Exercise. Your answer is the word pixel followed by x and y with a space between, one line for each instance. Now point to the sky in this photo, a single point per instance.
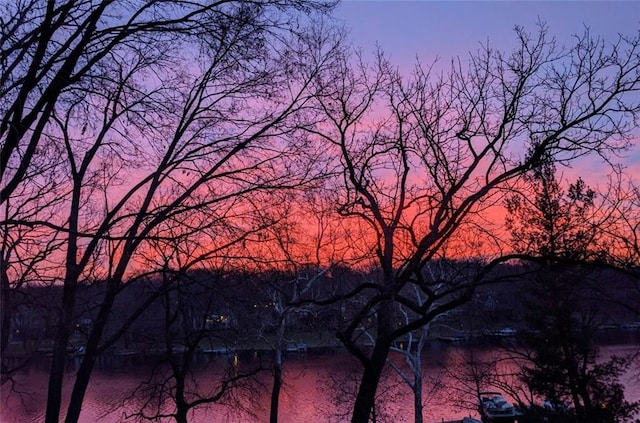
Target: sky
pixel 448 28
pixel 427 30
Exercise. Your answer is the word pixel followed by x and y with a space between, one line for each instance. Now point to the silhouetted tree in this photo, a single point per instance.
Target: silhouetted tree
pixel 144 111
pixel 411 346
pixel 424 157
pixel 560 230
pixel 173 390
pixel 547 222
pixel 621 198
pixel 292 257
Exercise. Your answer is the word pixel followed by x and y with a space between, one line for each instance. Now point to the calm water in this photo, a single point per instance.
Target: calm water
pixel 317 388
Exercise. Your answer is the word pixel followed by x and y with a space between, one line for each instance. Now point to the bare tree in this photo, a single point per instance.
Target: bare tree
pixel 411 349
pixel 411 346
pixel 23 263
pixel 181 300
pixel 425 157
pixel 49 48
pixel 621 197
pixel 154 109
pixel 475 371
pixel 173 389
pixel 282 294
pixel 292 257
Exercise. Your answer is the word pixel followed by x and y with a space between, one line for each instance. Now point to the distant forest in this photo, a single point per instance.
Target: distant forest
pixel 236 309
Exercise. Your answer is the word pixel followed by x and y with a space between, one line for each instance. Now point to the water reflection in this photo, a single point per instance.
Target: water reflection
pixel 318 387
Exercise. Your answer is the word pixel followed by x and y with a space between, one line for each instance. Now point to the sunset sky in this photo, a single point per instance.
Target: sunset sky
pixel 441 30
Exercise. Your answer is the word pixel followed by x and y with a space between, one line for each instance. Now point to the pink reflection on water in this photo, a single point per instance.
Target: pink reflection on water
pixel 317 388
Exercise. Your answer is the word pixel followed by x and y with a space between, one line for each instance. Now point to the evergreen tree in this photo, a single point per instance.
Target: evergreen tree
pixel 557 229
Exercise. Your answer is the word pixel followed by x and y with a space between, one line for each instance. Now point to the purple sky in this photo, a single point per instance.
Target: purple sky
pixel 448 28
pixel 444 29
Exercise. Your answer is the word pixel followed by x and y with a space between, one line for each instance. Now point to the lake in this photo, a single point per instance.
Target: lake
pixel 317 387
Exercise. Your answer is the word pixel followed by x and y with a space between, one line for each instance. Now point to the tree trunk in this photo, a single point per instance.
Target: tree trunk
pixel 5 292
pixel 365 400
pixel 181 404
pixel 56 373
pixel 277 384
pixel 277 371
pixel 416 367
pixel 366 397
pixel 417 395
pixel 88 360
pixel 181 415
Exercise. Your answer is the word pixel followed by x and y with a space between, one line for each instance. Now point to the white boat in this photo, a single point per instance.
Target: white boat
pixel 216 350
pixel 292 347
pixel 556 406
pixel 494 407
pixel 504 332
pixel 452 338
pixel 631 325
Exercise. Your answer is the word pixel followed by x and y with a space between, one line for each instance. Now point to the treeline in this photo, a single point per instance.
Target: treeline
pixel 236 309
